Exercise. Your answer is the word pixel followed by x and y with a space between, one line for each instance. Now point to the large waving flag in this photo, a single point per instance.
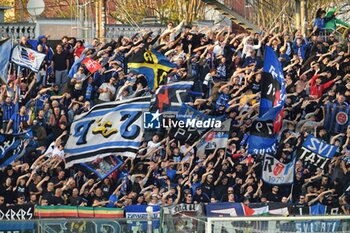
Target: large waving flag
pixel 152 64
pixel 5 51
pixel 273 91
pixel 264 131
pixel 108 128
pixel 28 58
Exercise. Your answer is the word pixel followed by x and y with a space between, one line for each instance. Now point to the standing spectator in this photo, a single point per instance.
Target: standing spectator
pixel 60 65
pixel 17 119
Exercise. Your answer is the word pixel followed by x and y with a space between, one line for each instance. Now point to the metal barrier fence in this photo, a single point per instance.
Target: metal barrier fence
pixel 257 224
pixel 17 30
pixel 72 225
pixel 335 223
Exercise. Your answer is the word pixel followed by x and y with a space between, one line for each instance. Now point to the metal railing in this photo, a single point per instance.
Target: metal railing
pixel 114 31
pixel 324 34
pixel 329 223
pixel 91 225
pixel 17 30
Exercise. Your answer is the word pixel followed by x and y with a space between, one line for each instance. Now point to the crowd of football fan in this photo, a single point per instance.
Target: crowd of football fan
pixel 226 67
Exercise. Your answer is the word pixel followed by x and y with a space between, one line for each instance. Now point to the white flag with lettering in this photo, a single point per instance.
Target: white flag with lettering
pixel 275 172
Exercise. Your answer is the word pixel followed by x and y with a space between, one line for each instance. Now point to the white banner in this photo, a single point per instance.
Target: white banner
pixel 28 58
pixel 275 172
pixel 109 128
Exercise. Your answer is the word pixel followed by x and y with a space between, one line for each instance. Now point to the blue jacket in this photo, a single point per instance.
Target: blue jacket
pixel 300 49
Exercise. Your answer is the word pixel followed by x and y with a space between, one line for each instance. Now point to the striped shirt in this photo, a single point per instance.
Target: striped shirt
pixel 17 119
pixel 7 111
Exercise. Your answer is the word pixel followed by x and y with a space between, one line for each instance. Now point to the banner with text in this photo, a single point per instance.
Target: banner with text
pixel 276 172
pixel 183 216
pixel 317 152
pixel 140 212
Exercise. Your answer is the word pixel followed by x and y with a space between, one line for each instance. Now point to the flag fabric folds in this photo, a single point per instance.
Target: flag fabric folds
pixel 139 212
pixel 5 51
pixel 77 212
pixel 216 138
pixel 264 132
pixel 28 58
pixel 13 146
pixel 75 67
pixel 103 167
pixel 228 209
pixel 169 97
pixel 108 128
pixel 174 221
pixel 152 64
pixel 317 152
pixel 262 140
pixel 273 92
pixel 336 117
pixel 270 208
pixel 276 172
pixel 91 65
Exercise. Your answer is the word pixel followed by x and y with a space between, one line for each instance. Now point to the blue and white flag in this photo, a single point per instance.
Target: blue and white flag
pixel 318 226
pixel 277 173
pixel 13 146
pixel 108 128
pixel 75 66
pixel 103 167
pixel 263 134
pixel 28 58
pixel 139 212
pixel 317 152
pixel 5 51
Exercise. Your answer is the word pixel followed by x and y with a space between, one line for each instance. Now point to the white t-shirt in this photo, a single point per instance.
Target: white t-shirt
pixel 208 78
pixel 151 145
pixel 105 96
pixel 183 149
pixel 79 77
pixel 54 151
pixel 218 50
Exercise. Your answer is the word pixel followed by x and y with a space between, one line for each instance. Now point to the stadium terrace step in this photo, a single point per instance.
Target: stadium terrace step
pixel 231 14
